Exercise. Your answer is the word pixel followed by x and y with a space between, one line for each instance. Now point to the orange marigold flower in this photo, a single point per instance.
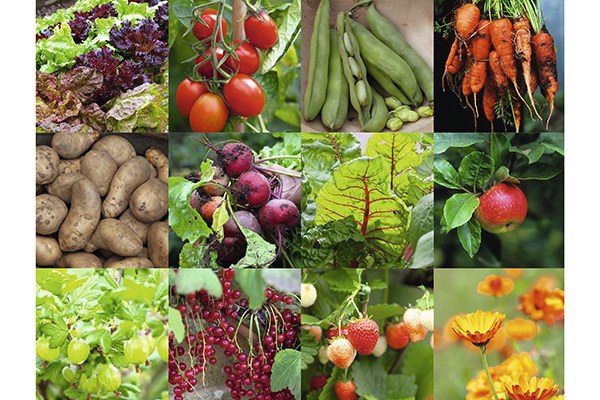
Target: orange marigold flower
pixel 521 329
pixel 560 397
pixel 478 327
pixel 448 334
pixel 495 285
pixel 547 282
pixel 497 343
pixel 543 304
pixel 512 368
pixel 514 273
pixel 533 389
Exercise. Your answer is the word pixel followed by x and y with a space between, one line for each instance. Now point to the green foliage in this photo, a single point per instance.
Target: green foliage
pixel 286 370
pixel 253 285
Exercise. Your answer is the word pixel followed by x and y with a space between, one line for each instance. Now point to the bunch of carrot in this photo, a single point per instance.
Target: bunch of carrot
pixel 503 58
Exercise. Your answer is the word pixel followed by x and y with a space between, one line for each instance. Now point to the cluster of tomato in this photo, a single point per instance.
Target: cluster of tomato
pixel 207 102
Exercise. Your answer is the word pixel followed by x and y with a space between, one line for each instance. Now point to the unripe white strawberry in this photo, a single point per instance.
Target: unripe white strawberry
pixel 426 319
pixel 308 294
pixel 323 357
pixel 412 318
pixel 380 347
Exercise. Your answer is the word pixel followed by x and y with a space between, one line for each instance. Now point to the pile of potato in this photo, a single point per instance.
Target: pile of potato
pixel 100 204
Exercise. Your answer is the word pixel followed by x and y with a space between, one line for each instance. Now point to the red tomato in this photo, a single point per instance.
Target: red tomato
pixel 207 70
pixel 209 16
pixel 261 30
pixel 209 113
pixel 244 96
pixel 249 59
pixel 187 94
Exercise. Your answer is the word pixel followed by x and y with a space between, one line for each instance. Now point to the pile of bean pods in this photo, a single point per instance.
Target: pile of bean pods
pixel 373 69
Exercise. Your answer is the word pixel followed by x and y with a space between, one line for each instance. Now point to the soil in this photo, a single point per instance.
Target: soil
pixel 49 7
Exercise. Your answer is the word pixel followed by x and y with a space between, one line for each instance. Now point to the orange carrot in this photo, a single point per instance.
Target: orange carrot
pixel 545 58
pixel 467 17
pixel 490 98
pixel 516 106
pixel 481 51
pixel 523 51
pixel 499 77
pixel 501 31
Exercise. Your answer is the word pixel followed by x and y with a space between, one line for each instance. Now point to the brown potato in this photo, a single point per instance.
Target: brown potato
pixel 139 227
pixel 115 236
pixel 72 145
pixel 83 217
pixel 47 251
pixel 158 244
pixel 130 262
pixel 50 212
pixel 99 167
pixel 150 201
pixel 67 166
pixel 160 162
pixel 118 147
pixel 127 179
pixel 79 259
pixel 62 186
pixel 46 165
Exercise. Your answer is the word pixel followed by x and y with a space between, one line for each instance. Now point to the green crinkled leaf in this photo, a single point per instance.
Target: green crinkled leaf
pixel 476 169
pixel 499 147
pixel 58 52
pixel 288 29
pixel 253 285
pixel 381 312
pixel 418 362
pixel 469 235
pixel 176 324
pixel 286 372
pixel 259 252
pixel 401 387
pixel 446 175
pixel 421 219
pixel 342 279
pixel 320 157
pixel 370 378
pixel 361 189
pixel 459 209
pixel 191 256
pixel 502 174
pixel 538 171
pixel 57 332
pixel 194 280
pixel 444 141
pixel 423 256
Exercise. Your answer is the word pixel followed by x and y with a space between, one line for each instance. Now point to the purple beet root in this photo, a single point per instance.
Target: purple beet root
pixel 279 214
pixel 231 250
pixel 235 157
pixel 252 189
pixel 246 219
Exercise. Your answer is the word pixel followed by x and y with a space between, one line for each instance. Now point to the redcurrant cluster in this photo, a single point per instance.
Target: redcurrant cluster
pixel 247 339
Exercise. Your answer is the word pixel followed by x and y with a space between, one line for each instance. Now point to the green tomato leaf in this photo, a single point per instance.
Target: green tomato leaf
pixel 459 209
pixel 361 189
pixel 469 235
pixel 476 169
pixel 444 141
pixel 289 28
pixel 537 171
pixel 286 372
pixel 253 285
pixel 446 175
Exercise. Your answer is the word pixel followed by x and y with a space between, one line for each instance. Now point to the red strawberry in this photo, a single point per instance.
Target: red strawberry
pixel 318 382
pixel 345 390
pixel 333 332
pixel 397 336
pixel 363 335
pixel 341 353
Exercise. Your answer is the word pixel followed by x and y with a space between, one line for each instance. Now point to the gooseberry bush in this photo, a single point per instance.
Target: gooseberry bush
pixel 101 334
pixel 236 331
pixel 367 333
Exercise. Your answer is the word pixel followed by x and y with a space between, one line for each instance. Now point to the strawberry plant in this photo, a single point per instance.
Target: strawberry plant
pixel 367 200
pixel 367 350
pixel 236 331
pixel 502 194
pixel 96 332
pixel 233 206
pixel 235 66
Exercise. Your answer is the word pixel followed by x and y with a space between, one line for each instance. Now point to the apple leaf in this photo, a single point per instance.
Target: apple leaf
pixel 537 171
pixel 499 148
pixel 446 175
pixel 502 174
pixel 476 169
pixel 469 235
pixel 459 209
pixel 361 189
pixel 444 141
pixel 553 141
pixel 533 151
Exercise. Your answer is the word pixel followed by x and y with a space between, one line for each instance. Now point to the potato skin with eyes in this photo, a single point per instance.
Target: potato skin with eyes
pixel 133 173
pixel 150 201
pixel 158 244
pixel 46 165
pixel 83 217
pixel 47 251
pixel 50 212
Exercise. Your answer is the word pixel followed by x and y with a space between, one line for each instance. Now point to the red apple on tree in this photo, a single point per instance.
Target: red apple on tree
pixel 502 208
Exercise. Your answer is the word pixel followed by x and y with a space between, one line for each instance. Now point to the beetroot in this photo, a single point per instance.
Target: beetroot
pixel 246 219
pixel 278 215
pixel 252 189
pixel 231 250
pixel 236 158
pixel 197 198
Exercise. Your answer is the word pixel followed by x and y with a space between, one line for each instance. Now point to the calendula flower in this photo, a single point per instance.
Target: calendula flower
pixel 478 327
pixel 543 304
pixel 512 368
pixel 514 273
pixel 497 343
pixel 521 329
pixel 495 285
pixel 531 389
pixel 560 397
